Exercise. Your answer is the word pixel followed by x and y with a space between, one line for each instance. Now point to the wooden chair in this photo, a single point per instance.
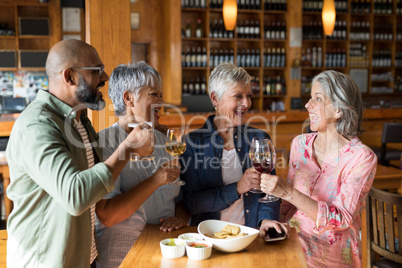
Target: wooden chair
pixel 391 133
pixel 384 230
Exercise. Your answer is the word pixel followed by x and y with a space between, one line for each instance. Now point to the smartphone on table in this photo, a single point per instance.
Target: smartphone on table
pixel 273 235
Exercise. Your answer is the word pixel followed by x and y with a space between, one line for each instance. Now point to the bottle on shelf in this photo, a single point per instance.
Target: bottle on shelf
pixel 199 57
pixel 188 28
pixel 198 32
pixel 319 57
pixel 191 86
pixel 204 57
pixel 193 57
pixel 267 83
pixel 197 86
pixel 204 86
pixel 188 58
pixel 185 86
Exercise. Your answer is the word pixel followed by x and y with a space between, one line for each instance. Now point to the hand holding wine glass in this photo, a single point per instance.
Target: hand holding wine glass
pixel 176 145
pixel 141 139
pixel 263 156
pixel 149 145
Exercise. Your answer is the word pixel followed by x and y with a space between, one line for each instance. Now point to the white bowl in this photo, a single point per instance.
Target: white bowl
pixel 199 254
pixel 209 227
pixel 173 252
pixel 188 237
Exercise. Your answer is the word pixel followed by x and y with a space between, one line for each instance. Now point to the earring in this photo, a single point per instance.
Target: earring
pixel 215 108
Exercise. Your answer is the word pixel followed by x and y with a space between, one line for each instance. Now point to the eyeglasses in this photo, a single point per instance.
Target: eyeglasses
pixel 101 69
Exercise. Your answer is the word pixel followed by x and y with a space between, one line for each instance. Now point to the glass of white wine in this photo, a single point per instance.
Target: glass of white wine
pixel 176 145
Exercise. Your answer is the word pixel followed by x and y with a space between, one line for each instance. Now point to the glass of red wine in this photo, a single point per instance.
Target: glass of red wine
pixel 263 156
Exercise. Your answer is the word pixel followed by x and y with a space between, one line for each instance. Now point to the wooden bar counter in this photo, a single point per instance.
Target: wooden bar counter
pixel 146 252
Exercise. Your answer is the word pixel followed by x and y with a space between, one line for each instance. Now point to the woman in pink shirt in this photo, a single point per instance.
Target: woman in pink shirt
pixel 330 174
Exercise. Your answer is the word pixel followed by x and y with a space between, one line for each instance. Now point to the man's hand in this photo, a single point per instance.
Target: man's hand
pixel 140 140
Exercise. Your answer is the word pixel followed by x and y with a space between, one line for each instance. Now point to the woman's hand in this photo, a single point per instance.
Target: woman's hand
pixel 274 185
pixel 251 179
pixel 171 223
pixel 167 173
pixel 279 227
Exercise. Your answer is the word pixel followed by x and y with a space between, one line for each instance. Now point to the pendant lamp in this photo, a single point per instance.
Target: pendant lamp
pixel 229 14
pixel 328 16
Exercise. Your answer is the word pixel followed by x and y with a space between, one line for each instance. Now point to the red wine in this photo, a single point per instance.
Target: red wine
pixel 263 167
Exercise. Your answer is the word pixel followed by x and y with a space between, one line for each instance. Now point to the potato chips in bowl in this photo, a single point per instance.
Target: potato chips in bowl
pixel 227 236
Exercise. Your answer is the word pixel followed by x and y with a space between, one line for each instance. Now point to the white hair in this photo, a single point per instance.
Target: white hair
pixel 131 77
pixel 226 76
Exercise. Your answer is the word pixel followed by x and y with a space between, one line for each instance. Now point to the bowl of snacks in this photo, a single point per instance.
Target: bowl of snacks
pixel 198 250
pixel 173 248
pixel 226 236
pixel 189 237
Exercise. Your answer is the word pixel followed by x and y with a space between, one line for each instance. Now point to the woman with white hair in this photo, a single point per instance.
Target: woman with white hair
pixel 216 166
pixel 330 174
pixel 144 192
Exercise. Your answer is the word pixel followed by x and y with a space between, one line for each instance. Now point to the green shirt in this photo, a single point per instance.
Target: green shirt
pixel 52 187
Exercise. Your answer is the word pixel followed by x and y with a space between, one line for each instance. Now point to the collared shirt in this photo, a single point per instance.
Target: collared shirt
pixel 205 194
pixel 114 242
pixel 52 187
pixel 340 186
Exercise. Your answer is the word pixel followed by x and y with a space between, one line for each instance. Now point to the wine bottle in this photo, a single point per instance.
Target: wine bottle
pixel 198 32
pixel 188 28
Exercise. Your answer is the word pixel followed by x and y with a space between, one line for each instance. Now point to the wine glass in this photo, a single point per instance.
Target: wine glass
pixel 135 157
pixel 263 156
pixel 176 145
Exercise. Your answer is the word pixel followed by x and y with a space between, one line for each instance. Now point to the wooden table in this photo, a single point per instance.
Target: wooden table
pixel 146 252
pixel 388 178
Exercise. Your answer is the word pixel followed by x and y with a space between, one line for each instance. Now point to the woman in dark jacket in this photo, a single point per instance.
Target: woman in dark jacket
pixel 216 166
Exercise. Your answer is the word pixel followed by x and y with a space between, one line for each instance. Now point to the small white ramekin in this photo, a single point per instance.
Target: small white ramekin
pixel 199 254
pixel 189 237
pixel 173 252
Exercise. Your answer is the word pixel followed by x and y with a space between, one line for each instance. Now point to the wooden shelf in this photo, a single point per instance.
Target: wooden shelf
pixel 11 11
pixel 295 17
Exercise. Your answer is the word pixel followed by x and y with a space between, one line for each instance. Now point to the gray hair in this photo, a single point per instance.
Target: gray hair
pixel 131 77
pixel 226 76
pixel 345 95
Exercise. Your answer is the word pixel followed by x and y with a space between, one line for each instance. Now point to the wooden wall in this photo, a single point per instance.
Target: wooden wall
pixel 160 30
pixel 108 30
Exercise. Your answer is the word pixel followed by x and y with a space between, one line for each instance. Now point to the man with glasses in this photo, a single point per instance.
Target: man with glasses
pixel 55 173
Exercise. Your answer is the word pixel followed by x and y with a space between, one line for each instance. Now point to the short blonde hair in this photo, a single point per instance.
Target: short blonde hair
pixel 226 76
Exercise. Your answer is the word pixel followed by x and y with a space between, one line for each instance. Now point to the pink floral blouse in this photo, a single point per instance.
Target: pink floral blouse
pixel 340 186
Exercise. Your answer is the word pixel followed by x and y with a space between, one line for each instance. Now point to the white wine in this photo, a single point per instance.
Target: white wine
pixel 175 148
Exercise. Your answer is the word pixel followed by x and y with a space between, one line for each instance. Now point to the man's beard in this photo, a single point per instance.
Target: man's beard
pixel 88 96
